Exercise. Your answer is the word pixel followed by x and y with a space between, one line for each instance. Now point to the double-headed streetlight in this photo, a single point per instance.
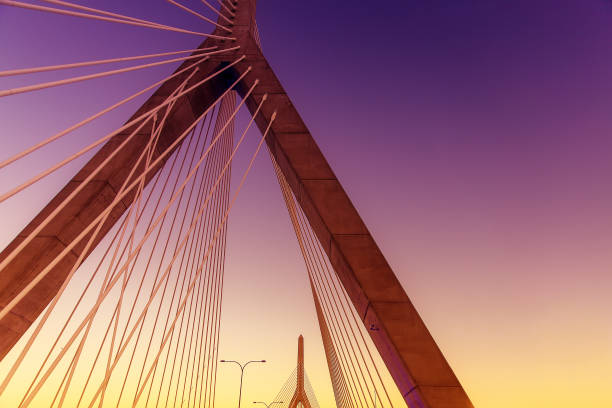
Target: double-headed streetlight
pixel 268 405
pixel 242 367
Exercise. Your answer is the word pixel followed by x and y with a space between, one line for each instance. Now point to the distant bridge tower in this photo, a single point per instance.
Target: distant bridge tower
pixel 300 396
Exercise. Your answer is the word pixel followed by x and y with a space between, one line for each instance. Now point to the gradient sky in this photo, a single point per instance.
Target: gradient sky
pixel 474 137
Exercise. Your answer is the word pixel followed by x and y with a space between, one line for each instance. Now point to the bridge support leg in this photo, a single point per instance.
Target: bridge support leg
pixel 422 374
pixel 87 205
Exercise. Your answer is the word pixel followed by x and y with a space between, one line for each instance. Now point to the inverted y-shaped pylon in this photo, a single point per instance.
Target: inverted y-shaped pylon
pixel 419 369
pixel 300 397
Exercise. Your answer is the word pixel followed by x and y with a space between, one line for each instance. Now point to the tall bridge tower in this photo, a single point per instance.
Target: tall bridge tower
pixel 31 275
pixel 300 396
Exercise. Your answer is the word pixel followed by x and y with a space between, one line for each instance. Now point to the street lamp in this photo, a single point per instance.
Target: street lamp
pixel 268 405
pixel 242 367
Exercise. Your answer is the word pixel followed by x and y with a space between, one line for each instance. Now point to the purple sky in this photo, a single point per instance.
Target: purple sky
pixel 474 137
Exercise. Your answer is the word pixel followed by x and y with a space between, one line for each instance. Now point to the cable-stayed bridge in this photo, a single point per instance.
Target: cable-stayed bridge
pixel 147 217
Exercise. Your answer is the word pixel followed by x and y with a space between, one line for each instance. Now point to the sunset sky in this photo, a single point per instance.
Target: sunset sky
pixel 474 138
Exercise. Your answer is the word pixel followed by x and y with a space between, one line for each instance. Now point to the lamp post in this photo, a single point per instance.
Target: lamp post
pixel 268 405
pixel 242 367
